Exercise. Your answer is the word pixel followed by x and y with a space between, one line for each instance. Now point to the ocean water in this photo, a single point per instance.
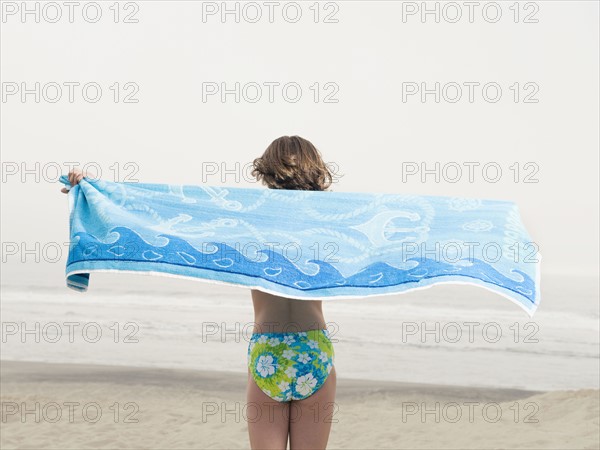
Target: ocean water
pixel 447 334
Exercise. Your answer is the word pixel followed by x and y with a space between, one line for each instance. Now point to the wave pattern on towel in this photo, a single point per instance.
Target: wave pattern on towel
pixel 301 244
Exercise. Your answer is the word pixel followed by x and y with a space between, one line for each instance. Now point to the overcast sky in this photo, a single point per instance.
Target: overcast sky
pixel 361 105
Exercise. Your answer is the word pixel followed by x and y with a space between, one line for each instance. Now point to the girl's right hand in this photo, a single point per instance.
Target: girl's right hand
pixel 75 176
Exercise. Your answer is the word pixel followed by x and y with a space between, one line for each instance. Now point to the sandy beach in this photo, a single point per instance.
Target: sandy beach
pixel 181 385
pixel 77 406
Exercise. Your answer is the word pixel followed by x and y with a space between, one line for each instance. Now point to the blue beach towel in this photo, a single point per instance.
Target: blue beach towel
pixel 300 244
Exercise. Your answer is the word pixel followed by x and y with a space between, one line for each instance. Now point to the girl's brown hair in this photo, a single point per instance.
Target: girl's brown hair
pixel 291 162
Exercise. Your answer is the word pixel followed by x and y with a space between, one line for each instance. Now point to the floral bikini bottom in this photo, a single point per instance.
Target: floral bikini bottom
pixel 290 366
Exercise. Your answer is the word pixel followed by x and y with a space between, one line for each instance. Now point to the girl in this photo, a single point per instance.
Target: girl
pixel 291 376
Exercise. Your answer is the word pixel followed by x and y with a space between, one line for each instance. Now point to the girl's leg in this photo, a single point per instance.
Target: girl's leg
pixel 311 418
pixel 268 420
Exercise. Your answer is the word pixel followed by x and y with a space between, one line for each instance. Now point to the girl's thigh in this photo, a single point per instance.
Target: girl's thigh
pixel 312 417
pixel 268 420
